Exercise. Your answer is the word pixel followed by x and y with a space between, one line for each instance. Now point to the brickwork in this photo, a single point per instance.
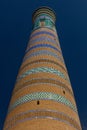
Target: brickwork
pixel 43 98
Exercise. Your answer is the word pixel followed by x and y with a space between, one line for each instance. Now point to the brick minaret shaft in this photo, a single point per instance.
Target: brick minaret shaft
pixel 42 98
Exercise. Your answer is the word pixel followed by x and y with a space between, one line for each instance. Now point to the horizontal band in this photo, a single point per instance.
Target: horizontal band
pixel 43 96
pixel 41 32
pixel 44 52
pixel 43 61
pixel 43 45
pixel 44 16
pixel 42 11
pixel 44 70
pixel 37 114
pixel 44 22
pixel 39 81
pixel 43 39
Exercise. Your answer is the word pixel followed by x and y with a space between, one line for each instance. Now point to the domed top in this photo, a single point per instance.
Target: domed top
pixel 44 10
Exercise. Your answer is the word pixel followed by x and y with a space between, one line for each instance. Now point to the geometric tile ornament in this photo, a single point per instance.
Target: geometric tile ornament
pixel 43 98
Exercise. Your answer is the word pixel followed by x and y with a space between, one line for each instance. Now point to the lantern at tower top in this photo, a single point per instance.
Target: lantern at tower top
pixel 44 17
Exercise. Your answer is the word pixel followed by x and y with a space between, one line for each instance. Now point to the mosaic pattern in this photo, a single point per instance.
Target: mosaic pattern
pixel 43 52
pixel 38 81
pixel 45 11
pixel 51 114
pixel 43 61
pixel 44 16
pixel 42 32
pixel 44 22
pixel 43 69
pixel 43 82
pixel 43 45
pixel 42 96
pixel 44 39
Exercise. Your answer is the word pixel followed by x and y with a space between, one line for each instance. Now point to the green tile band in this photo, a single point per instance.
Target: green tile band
pixel 44 12
pixel 43 69
pixel 42 96
pixel 47 61
pixel 44 16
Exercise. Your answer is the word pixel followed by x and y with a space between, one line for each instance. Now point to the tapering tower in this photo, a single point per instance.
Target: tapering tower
pixel 42 98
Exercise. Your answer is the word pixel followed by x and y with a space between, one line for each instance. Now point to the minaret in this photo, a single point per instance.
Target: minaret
pixel 43 98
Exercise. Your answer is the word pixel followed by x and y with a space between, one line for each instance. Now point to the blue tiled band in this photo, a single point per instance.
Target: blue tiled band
pixel 44 52
pixel 42 32
pixel 43 69
pixel 43 45
pixel 43 38
pixel 43 96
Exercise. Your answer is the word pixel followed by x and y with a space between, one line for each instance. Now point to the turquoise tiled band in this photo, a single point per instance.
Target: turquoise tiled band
pixel 43 69
pixel 46 23
pixel 44 16
pixel 43 60
pixel 42 96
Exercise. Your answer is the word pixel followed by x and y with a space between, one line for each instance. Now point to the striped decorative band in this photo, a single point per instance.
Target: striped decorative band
pixel 49 44
pixel 50 35
pixel 43 45
pixel 37 114
pixel 44 52
pixel 44 70
pixel 44 39
pixel 43 96
pixel 42 61
pixel 38 81
pixel 41 32
pixel 42 11
pixel 44 16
